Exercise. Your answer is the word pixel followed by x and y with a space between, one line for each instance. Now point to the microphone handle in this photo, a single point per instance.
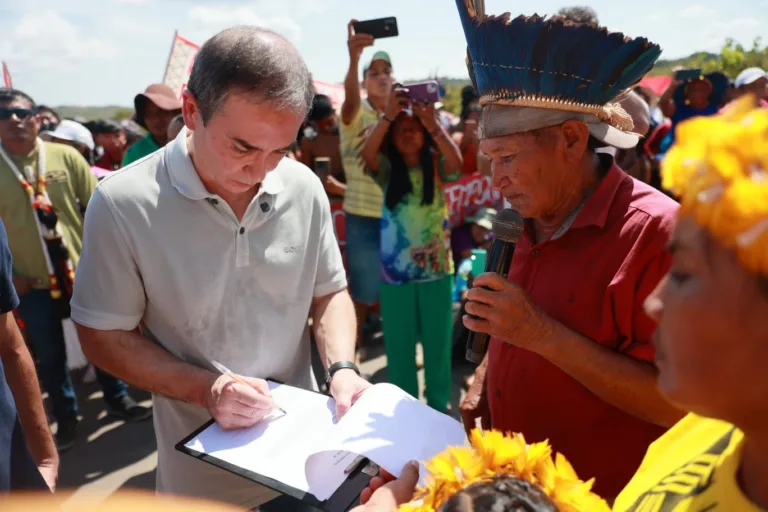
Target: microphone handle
pixel 500 259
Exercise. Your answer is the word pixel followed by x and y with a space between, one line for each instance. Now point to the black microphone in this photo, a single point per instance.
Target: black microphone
pixel 507 228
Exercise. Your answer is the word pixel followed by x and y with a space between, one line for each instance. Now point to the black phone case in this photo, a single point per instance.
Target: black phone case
pixel 378 28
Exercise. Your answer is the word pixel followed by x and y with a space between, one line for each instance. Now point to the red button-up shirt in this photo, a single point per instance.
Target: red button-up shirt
pixel 593 279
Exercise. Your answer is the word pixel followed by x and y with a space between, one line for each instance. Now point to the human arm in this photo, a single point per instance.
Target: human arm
pixel 475 404
pixel 21 376
pixel 385 493
pixel 505 311
pixel 667 100
pixel 356 43
pixel 452 159
pixel 334 186
pixel 106 322
pixel 397 102
pixel 333 316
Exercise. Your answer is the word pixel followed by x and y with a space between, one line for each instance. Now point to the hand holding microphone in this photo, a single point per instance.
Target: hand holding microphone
pixel 497 307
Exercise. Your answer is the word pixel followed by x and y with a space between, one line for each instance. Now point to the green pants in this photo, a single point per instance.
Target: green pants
pixel 423 312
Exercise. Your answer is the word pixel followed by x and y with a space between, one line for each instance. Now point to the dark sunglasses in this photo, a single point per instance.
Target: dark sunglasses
pixel 21 113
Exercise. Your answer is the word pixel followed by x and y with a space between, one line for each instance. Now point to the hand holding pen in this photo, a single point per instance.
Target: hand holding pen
pixel 236 401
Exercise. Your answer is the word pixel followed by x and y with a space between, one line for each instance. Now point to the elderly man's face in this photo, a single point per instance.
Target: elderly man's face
pixel 243 141
pixel 536 172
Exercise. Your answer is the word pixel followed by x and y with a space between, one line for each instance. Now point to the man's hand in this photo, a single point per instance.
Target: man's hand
pixel 398 101
pixel 357 42
pixel 427 115
pixel 334 186
pixel 346 387
pixel 475 404
pixel 385 493
pixel 50 473
pixel 506 312
pixel 234 405
pixel 24 285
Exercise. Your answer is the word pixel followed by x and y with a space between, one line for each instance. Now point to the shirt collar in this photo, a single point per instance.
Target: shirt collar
pixel 185 179
pixel 598 206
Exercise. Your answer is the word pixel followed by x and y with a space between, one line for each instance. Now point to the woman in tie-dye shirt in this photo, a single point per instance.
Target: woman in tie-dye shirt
pixel 412 156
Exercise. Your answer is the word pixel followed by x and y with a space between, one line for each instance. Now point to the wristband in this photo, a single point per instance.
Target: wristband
pixel 335 367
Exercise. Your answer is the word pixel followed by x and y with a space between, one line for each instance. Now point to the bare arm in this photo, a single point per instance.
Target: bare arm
pixel 667 102
pixel 450 152
pixel 333 319
pixel 22 380
pixel 356 43
pixel 617 379
pixel 133 358
pixel 370 151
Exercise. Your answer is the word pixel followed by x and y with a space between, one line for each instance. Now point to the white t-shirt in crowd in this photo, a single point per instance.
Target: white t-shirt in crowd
pixel 162 253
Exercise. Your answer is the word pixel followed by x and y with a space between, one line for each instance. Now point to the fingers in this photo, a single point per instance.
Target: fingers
pixel 386 475
pixel 351 28
pixel 365 496
pixel 377 482
pixel 493 281
pixel 477 324
pixel 481 295
pixel 479 309
pixel 259 385
pixel 403 488
pixel 249 396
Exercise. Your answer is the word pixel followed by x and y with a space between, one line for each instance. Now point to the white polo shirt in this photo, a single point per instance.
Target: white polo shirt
pixel 162 253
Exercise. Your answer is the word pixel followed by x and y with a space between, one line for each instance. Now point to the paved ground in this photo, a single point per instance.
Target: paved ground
pixel 111 455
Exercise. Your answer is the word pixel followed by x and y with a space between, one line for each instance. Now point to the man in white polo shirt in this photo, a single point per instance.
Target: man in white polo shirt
pixel 217 247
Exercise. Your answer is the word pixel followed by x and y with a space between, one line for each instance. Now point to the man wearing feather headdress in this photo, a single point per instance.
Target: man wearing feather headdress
pixel 571 355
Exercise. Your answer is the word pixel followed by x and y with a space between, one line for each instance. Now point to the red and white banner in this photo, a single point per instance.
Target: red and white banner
pixel 7 76
pixel 464 198
pixel 180 60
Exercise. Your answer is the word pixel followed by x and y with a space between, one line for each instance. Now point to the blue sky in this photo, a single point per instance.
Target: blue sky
pixel 97 52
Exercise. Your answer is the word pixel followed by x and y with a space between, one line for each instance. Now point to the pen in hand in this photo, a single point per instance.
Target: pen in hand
pixel 226 371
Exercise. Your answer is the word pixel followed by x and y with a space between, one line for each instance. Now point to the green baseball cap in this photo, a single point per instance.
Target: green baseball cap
pixel 380 55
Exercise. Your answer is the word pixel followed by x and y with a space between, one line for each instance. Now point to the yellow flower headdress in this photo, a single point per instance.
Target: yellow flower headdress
pixel 493 454
pixel 719 168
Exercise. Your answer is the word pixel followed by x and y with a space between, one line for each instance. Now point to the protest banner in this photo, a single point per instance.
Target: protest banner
pixel 7 76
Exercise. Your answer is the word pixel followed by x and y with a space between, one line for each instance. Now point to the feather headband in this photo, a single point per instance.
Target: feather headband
pixel 719 167
pixel 553 64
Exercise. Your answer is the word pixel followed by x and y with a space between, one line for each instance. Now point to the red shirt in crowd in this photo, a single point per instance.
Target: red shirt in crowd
pixel 593 279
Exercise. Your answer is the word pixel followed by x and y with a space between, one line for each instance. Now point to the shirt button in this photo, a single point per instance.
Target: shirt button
pixel 214 202
pixel 242 230
pixel 535 253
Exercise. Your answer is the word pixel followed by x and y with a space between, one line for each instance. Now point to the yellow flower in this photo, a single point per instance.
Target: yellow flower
pixel 719 169
pixel 493 454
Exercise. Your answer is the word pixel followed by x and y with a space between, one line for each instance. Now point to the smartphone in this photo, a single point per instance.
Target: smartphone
pixel 378 28
pixel 683 75
pixel 428 91
pixel 479 257
pixel 322 167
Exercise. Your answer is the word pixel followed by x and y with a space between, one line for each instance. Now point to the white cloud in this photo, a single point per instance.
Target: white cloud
pixel 45 40
pixel 698 11
pixel 133 2
pixel 207 21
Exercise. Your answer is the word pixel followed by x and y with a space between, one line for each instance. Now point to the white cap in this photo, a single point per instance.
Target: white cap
pixel 73 132
pixel 748 76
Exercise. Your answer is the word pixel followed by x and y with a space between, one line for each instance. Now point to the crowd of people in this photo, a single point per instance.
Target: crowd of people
pixel 629 333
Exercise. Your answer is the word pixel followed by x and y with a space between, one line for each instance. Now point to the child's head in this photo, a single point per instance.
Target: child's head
pixel 501 494
pixel 499 473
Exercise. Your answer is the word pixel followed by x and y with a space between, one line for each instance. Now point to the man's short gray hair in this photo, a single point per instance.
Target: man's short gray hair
pixel 250 60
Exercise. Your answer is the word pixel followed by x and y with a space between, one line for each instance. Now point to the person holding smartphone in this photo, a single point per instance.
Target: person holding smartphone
pixel 323 143
pixel 411 156
pixel 363 198
pixel 698 102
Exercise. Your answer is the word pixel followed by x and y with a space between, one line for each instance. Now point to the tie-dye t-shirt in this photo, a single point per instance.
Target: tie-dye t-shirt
pixel 415 238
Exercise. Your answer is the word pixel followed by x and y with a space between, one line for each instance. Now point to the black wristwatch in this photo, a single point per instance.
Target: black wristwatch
pixel 341 365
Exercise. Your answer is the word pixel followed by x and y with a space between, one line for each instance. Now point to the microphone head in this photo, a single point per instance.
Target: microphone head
pixel 508 225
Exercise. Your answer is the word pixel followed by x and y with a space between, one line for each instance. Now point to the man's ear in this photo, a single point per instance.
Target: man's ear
pixel 190 109
pixel 574 140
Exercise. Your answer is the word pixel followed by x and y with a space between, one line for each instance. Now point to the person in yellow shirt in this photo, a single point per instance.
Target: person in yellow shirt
pixel 363 198
pixel 711 350
pixel 44 189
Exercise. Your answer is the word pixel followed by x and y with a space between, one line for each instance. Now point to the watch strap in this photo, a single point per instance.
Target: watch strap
pixel 340 365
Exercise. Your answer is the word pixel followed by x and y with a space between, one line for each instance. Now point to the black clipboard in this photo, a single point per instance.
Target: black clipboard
pixel 346 497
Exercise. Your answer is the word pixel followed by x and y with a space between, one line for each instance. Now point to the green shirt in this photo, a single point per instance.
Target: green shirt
pixel 70 184
pixel 363 195
pixel 144 147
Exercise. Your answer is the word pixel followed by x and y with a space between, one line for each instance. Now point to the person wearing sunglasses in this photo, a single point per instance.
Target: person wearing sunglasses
pixel 44 187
